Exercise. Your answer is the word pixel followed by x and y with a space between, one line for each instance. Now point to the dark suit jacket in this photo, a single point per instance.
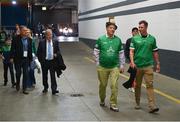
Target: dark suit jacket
pixel 17 49
pixel 58 62
pixel 41 52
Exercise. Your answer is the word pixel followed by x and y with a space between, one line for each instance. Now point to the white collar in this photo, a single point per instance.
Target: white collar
pixel 48 42
pixel 108 36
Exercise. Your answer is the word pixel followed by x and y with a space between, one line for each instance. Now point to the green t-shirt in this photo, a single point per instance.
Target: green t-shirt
pixel 109 51
pixel 143 50
pixel 6 48
pixel 3 37
pixel 33 46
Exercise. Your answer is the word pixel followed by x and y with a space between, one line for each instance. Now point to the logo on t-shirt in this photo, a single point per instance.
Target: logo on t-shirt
pixel 110 51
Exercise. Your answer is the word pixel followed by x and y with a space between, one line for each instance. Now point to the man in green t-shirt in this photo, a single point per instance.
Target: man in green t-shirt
pixel 110 61
pixel 143 52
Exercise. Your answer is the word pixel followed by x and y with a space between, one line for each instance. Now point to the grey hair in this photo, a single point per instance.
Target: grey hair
pixel 48 30
pixel 22 27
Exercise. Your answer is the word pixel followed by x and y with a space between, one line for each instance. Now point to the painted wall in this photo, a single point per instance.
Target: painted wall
pixel 163 24
pixel 163 17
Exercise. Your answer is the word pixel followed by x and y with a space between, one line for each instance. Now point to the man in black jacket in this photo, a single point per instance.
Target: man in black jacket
pixel 21 55
pixel 129 84
pixel 47 52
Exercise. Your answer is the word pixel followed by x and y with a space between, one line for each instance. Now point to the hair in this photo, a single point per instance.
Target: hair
pixel 144 22
pixel 22 27
pixel 110 23
pixel 135 28
pixel 48 30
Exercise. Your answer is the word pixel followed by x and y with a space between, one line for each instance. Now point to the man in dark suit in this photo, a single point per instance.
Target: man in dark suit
pixel 48 50
pixel 21 55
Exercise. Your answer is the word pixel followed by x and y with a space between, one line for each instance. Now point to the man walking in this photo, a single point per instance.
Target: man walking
pixel 142 51
pixel 110 61
pixel 48 50
pixel 21 55
pixel 129 84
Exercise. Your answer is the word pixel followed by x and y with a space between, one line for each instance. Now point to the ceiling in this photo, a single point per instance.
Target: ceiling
pixel 51 4
pixel 57 4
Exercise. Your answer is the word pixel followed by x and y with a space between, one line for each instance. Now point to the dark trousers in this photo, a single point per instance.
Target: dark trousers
pixel 48 65
pixel 129 83
pixel 11 69
pixel 19 66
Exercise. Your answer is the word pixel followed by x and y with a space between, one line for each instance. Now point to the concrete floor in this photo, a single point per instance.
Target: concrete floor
pixel 80 77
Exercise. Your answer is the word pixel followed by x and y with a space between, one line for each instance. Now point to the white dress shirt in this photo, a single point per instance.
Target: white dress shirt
pixel 47 45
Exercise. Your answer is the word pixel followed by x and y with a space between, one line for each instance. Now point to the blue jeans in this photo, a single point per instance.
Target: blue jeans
pixel 31 77
pixel 19 66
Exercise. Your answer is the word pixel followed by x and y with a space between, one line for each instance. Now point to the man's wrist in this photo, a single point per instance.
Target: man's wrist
pixel 132 62
pixel 121 66
pixel 158 62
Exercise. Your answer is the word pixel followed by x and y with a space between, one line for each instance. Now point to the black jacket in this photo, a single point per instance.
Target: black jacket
pixel 127 50
pixel 58 62
pixel 17 49
pixel 41 51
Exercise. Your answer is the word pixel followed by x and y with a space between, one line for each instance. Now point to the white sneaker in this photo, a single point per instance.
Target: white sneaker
pixel 137 107
pixel 131 89
pixel 114 108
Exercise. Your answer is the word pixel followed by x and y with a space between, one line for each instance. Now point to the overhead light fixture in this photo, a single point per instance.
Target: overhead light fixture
pixel 14 2
pixel 44 8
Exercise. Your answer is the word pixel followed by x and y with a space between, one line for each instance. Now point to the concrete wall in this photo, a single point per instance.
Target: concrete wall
pixel 163 17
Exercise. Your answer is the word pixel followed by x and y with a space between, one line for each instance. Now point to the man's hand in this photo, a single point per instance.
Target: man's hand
pixel 158 68
pixel 132 65
pixel 11 60
pixel 2 57
pixel 55 55
pixel 121 70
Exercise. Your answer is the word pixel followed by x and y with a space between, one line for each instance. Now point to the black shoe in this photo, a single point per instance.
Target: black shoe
pixel 25 92
pixel 13 85
pixel 5 83
pixel 54 92
pixel 154 110
pixel 45 91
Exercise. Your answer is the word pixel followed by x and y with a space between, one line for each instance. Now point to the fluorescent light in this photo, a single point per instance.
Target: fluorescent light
pixel 14 2
pixel 70 30
pixel 43 8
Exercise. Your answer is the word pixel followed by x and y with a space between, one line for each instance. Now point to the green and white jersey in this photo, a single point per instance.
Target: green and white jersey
pixel 107 51
pixel 143 50
pixel 3 37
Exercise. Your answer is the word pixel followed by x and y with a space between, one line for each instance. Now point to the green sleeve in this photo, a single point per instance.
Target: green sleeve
pixel 97 45
pixel 33 46
pixel 132 45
